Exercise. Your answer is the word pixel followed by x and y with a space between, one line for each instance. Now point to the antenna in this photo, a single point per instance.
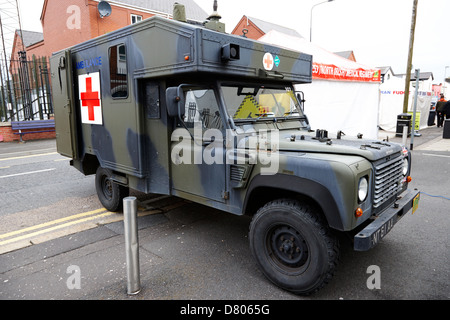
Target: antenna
pixel 214 20
pixel 104 9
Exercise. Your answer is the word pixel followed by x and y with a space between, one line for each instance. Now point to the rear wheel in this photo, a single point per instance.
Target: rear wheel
pixel 109 193
pixel 293 246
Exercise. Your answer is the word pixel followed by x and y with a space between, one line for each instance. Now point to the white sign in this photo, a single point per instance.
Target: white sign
pixel 90 98
pixel 268 61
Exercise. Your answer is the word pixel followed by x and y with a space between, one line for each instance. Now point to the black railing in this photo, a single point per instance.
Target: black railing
pixel 25 90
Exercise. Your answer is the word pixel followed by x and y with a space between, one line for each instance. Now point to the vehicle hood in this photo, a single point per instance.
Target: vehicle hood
pixel 371 149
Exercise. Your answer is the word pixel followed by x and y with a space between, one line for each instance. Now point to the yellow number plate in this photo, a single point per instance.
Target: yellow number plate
pixel 416 202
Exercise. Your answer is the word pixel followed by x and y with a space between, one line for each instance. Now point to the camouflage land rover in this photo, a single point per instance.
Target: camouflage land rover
pixel 168 107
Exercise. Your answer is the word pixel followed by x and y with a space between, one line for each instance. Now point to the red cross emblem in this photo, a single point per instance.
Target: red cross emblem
pixel 90 99
pixel 268 61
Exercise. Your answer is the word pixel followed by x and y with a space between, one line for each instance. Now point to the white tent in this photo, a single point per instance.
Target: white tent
pixel 344 95
pixel 392 93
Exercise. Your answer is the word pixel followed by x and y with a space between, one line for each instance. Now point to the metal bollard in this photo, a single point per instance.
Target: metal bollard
pixel 131 245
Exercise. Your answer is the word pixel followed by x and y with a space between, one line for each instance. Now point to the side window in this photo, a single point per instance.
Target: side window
pixel 151 100
pixel 118 71
pixel 201 109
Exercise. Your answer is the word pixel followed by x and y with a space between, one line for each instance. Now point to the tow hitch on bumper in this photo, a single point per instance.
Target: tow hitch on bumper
pixel 375 231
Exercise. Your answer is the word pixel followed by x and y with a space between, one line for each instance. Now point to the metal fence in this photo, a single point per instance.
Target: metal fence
pixel 25 89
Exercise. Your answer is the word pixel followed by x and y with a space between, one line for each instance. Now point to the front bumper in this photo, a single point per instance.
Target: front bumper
pixel 376 230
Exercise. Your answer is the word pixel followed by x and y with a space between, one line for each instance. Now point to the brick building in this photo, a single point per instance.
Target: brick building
pixel 256 28
pixel 64 24
pixel 68 22
pixel 32 41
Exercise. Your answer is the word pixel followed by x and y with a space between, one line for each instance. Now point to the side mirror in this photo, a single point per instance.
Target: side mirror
pixel 175 102
pixel 301 100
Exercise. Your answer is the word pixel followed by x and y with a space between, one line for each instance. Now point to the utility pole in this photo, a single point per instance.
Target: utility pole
pixel 310 18
pixel 20 25
pixel 410 54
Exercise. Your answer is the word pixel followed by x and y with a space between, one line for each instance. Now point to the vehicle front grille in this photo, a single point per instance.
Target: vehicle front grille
pixel 388 178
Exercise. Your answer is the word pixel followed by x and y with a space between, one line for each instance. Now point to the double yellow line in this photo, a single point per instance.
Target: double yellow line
pixel 52 226
pixel 12 240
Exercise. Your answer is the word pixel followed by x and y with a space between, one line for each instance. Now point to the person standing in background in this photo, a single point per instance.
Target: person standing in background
pixel 446 109
pixel 440 111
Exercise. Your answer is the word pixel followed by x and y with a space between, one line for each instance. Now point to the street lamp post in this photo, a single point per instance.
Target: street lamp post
pixel 444 85
pixel 310 18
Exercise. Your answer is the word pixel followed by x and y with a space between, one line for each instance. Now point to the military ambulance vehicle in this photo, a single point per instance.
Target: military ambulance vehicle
pixel 168 107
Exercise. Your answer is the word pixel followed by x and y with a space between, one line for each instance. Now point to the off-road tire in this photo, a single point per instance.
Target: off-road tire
pixel 293 246
pixel 109 193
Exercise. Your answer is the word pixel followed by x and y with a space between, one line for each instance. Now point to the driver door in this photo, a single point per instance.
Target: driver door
pixel 197 147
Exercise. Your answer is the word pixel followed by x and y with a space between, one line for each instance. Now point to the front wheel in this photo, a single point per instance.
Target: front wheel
pixel 109 193
pixel 293 246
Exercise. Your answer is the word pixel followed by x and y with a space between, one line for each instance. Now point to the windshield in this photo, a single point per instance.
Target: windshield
pixel 245 103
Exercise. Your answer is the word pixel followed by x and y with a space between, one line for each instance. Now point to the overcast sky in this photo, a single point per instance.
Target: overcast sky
pixel 377 31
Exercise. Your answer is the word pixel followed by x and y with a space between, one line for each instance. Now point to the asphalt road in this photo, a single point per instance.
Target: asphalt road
pixel 188 251
pixel 38 177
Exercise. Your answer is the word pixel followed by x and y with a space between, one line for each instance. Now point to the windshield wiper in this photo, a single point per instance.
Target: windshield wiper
pixel 265 118
pixel 260 116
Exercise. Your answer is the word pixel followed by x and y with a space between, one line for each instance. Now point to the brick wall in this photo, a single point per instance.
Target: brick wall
pixel 65 23
pixel 253 31
pixel 63 27
pixel 120 17
pixel 7 135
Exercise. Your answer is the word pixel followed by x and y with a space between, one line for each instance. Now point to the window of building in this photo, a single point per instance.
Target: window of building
pixel 118 71
pixel 135 18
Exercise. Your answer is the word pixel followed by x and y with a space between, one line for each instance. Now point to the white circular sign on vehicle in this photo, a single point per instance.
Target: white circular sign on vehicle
pixel 268 61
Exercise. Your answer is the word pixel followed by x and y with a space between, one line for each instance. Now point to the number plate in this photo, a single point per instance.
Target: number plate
pixel 377 229
pixel 382 231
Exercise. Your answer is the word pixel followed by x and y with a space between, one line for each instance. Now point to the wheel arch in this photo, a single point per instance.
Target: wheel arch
pixel 87 165
pixel 263 189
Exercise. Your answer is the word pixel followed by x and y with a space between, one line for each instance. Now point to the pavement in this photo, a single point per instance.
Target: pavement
pixel 430 139
pixel 91 264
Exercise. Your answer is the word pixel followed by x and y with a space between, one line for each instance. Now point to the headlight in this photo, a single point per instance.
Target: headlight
pixel 363 189
pixel 405 166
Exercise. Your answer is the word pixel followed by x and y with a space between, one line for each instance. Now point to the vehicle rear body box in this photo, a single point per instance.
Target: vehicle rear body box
pixel 162 47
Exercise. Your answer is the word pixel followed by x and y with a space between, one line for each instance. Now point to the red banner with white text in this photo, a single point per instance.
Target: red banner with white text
pixel 332 72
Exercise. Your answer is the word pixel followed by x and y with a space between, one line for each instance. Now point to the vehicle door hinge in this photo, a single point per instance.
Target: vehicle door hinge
pixel 226 195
